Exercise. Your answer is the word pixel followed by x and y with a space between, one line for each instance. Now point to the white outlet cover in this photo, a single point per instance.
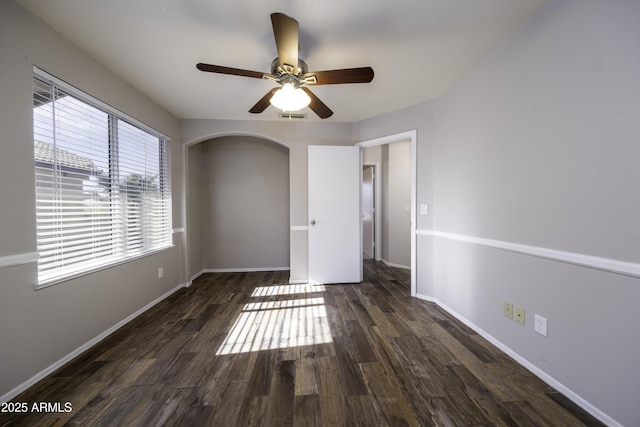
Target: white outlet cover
pixel 424 209
pixel 540 325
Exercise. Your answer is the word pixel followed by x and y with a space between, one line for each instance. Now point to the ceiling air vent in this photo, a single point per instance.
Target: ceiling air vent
pixel 292 116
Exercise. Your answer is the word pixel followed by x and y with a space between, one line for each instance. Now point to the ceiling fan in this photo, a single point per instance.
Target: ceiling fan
pixel 292 73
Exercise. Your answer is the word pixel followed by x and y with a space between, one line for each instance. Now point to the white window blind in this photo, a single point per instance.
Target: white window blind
pixel 103 192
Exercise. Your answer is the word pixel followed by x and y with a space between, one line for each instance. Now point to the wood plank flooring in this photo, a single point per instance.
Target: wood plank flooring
pixel 247 349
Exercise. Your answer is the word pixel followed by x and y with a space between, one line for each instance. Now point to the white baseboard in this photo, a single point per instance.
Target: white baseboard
pixel 195 276
pixel 243 270
pixel 577 399
pixel 298 281
pixel 40 375
pixel 427 298
pixel 236 270
pixel 391 264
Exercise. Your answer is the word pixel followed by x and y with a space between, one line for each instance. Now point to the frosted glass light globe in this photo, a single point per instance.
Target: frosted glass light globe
pixel 289 98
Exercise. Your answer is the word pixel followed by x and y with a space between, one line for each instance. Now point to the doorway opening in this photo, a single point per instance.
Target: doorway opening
pixel 238 196
pixel 393 162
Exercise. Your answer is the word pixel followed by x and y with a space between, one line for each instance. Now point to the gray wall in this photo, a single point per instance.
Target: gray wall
pixel 384 205
pixel 296 136
pixel 196 188
pixel 395 180
pixel 396 193
pixel 245 203
pixel 537 145
pixel 38 328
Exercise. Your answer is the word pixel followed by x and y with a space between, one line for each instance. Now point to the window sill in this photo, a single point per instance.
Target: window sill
pixel 65 278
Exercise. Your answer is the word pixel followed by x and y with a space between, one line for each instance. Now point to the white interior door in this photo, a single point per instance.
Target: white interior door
pixel 335 244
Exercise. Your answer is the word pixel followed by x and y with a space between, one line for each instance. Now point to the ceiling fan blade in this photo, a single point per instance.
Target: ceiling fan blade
pixel 264 102
pixel 229 70
pixel 318 107
pixel 334 77
pixel 285 31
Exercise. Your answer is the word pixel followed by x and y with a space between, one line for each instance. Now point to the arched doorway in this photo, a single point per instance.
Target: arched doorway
pixel 238 205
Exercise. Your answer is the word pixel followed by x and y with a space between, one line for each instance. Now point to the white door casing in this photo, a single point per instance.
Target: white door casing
pixel 335 224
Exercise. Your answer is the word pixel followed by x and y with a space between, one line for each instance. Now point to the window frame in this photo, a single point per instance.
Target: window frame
pixel 164 158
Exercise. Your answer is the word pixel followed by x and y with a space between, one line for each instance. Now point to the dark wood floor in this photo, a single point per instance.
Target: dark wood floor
pixel 249 349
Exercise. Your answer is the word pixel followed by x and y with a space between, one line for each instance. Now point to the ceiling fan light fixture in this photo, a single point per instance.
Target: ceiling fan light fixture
pixel 290 98
pixel 291 72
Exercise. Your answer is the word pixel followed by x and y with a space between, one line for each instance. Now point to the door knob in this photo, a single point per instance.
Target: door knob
pixel 312 222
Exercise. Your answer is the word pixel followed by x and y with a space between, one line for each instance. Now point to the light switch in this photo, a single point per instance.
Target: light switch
pixel 424 209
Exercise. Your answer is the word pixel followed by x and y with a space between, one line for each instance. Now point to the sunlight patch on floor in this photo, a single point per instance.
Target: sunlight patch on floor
pixel 264 291
pixel 271 322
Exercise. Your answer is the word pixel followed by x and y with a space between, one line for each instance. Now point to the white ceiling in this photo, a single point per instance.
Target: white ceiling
pixel 417 48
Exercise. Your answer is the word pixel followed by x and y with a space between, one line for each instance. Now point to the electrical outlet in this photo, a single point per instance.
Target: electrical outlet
pixel 508 310
pixel 160 273
pixel 519 315
pixel 540 325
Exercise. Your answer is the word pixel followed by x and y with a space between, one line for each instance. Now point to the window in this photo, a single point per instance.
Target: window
pixel 103 193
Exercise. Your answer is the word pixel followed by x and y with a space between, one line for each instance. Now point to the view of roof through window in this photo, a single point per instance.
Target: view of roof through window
pixel 101 193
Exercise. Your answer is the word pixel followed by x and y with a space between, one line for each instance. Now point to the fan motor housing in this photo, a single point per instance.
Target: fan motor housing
pixel 277 71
